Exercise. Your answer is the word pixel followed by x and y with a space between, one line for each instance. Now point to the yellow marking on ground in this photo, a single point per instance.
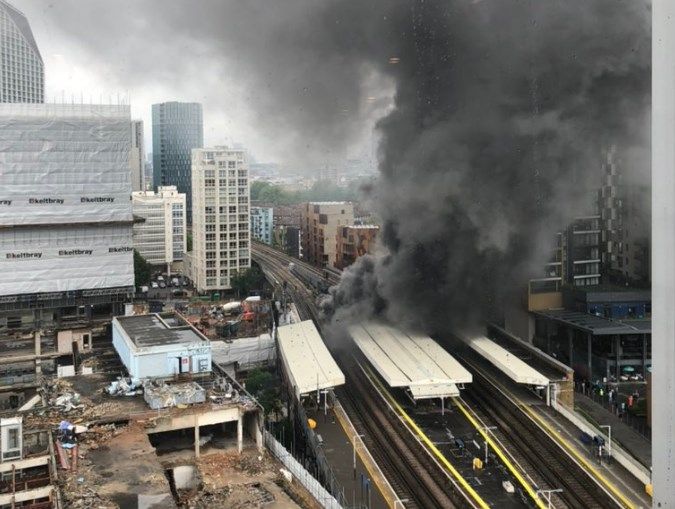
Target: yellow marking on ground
pixel 573 451
pixel 528 487
pixel 383 485
pixel 430 445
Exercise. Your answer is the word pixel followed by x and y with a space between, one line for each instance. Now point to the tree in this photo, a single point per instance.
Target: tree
pixel 142 269
pixel 265 388
pixel 245 281
pixel 188 242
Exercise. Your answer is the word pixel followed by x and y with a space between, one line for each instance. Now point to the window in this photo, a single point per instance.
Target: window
pixel 13 438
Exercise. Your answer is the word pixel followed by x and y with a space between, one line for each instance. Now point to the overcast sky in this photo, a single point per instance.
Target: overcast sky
pixel 252 65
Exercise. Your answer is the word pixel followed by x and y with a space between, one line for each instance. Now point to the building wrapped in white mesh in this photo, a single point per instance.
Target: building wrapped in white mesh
pixel 65 205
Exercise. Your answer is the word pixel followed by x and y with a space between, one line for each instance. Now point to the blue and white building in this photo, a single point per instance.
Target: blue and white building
pixel 262 224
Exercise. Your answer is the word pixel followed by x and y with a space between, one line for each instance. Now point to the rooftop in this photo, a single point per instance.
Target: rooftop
pixel 308 362
pixel 612 292
pixel 155 330
pixel 410 360
pixel 597 325
pixel 515 368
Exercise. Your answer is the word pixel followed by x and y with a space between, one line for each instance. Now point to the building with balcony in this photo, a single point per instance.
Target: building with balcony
pixel 221 219
pixel 262 224
pixel 354 241
pixel 319 224
pixel 160 237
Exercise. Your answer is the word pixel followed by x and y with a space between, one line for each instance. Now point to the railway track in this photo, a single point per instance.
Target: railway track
pixel 409 469
pixel 534 444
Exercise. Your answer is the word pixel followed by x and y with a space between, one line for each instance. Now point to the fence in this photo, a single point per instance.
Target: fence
pixel 298 471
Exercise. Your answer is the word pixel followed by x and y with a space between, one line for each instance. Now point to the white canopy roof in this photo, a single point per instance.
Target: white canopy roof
pixel 308 363
pixel 412 360
pixel 515 368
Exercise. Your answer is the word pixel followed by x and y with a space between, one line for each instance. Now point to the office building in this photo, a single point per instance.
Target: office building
pixel 137 156
pixel 320 222
pixel 23 75
pixel 262 224
pixel 221 243
pixel 354 241
pixel 177 128
pixel 65 213
pixel 160 237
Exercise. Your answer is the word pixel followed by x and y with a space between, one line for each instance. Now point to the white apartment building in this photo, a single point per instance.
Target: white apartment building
pixel 220 217
pixel 262 224
pixel 161 237
pixel 137 157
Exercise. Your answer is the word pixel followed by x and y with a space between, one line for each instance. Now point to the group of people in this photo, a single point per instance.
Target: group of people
pixel 611 393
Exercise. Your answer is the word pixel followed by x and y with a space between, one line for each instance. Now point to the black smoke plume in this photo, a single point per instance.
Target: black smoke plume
pixel 502 113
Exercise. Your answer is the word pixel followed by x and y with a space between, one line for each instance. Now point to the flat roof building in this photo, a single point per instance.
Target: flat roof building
pixel 160 346
pixel 320 222
pixel 221 244
pixel 161 238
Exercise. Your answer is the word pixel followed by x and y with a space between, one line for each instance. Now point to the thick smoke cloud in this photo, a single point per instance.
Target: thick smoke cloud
pixel 502 111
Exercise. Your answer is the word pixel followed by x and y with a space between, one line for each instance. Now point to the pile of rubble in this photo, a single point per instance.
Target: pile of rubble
pixel 125 387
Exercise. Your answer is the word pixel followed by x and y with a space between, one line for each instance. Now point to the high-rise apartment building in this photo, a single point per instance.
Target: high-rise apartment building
pixel 320 222
pixel 137 156
pixel 65 213
pixel 262 224
pixel 177 128
pixel 22 75
pixel 161 237
pixel 221 244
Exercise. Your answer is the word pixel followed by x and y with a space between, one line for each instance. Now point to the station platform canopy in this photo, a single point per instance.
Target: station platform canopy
pixel 307 362
pixel 412 360
pixel 515 368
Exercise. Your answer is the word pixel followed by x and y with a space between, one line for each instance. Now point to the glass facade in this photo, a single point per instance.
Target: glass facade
pixel 22 70
pixel 177 128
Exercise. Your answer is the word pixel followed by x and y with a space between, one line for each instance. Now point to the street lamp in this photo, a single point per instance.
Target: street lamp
pixel 609 439
pixel 547 495
pixel 354 451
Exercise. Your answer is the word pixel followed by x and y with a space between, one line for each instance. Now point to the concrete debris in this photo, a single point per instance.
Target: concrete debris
pixel 161 395
pixel 125 387
pixel 286 474
pixel 67 401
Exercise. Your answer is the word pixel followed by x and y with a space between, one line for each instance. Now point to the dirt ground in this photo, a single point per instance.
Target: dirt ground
pixel 249 480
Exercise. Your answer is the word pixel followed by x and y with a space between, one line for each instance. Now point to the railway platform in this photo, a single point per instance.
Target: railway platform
pixel 633 442
pixel 339 452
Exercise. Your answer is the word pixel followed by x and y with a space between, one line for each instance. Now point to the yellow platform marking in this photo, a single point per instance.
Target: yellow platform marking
pixel 568 447
pixel 573 451
pixel 528 487
pixel 430 445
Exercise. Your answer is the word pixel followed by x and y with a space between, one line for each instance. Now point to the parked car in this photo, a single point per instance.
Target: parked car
pixel 175 282
pixel 160 278
pixel 162 284
pixel 154 284
pixel 144 289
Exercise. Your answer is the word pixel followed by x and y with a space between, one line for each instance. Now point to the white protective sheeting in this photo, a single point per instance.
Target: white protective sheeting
pixel 246 353
pixel 64 163
pixel 515 368
pixel 37 260
pixel 410 360
pixel 308 363
pixel 65 191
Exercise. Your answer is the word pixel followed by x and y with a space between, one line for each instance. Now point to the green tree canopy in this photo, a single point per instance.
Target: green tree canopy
pixel 142 269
